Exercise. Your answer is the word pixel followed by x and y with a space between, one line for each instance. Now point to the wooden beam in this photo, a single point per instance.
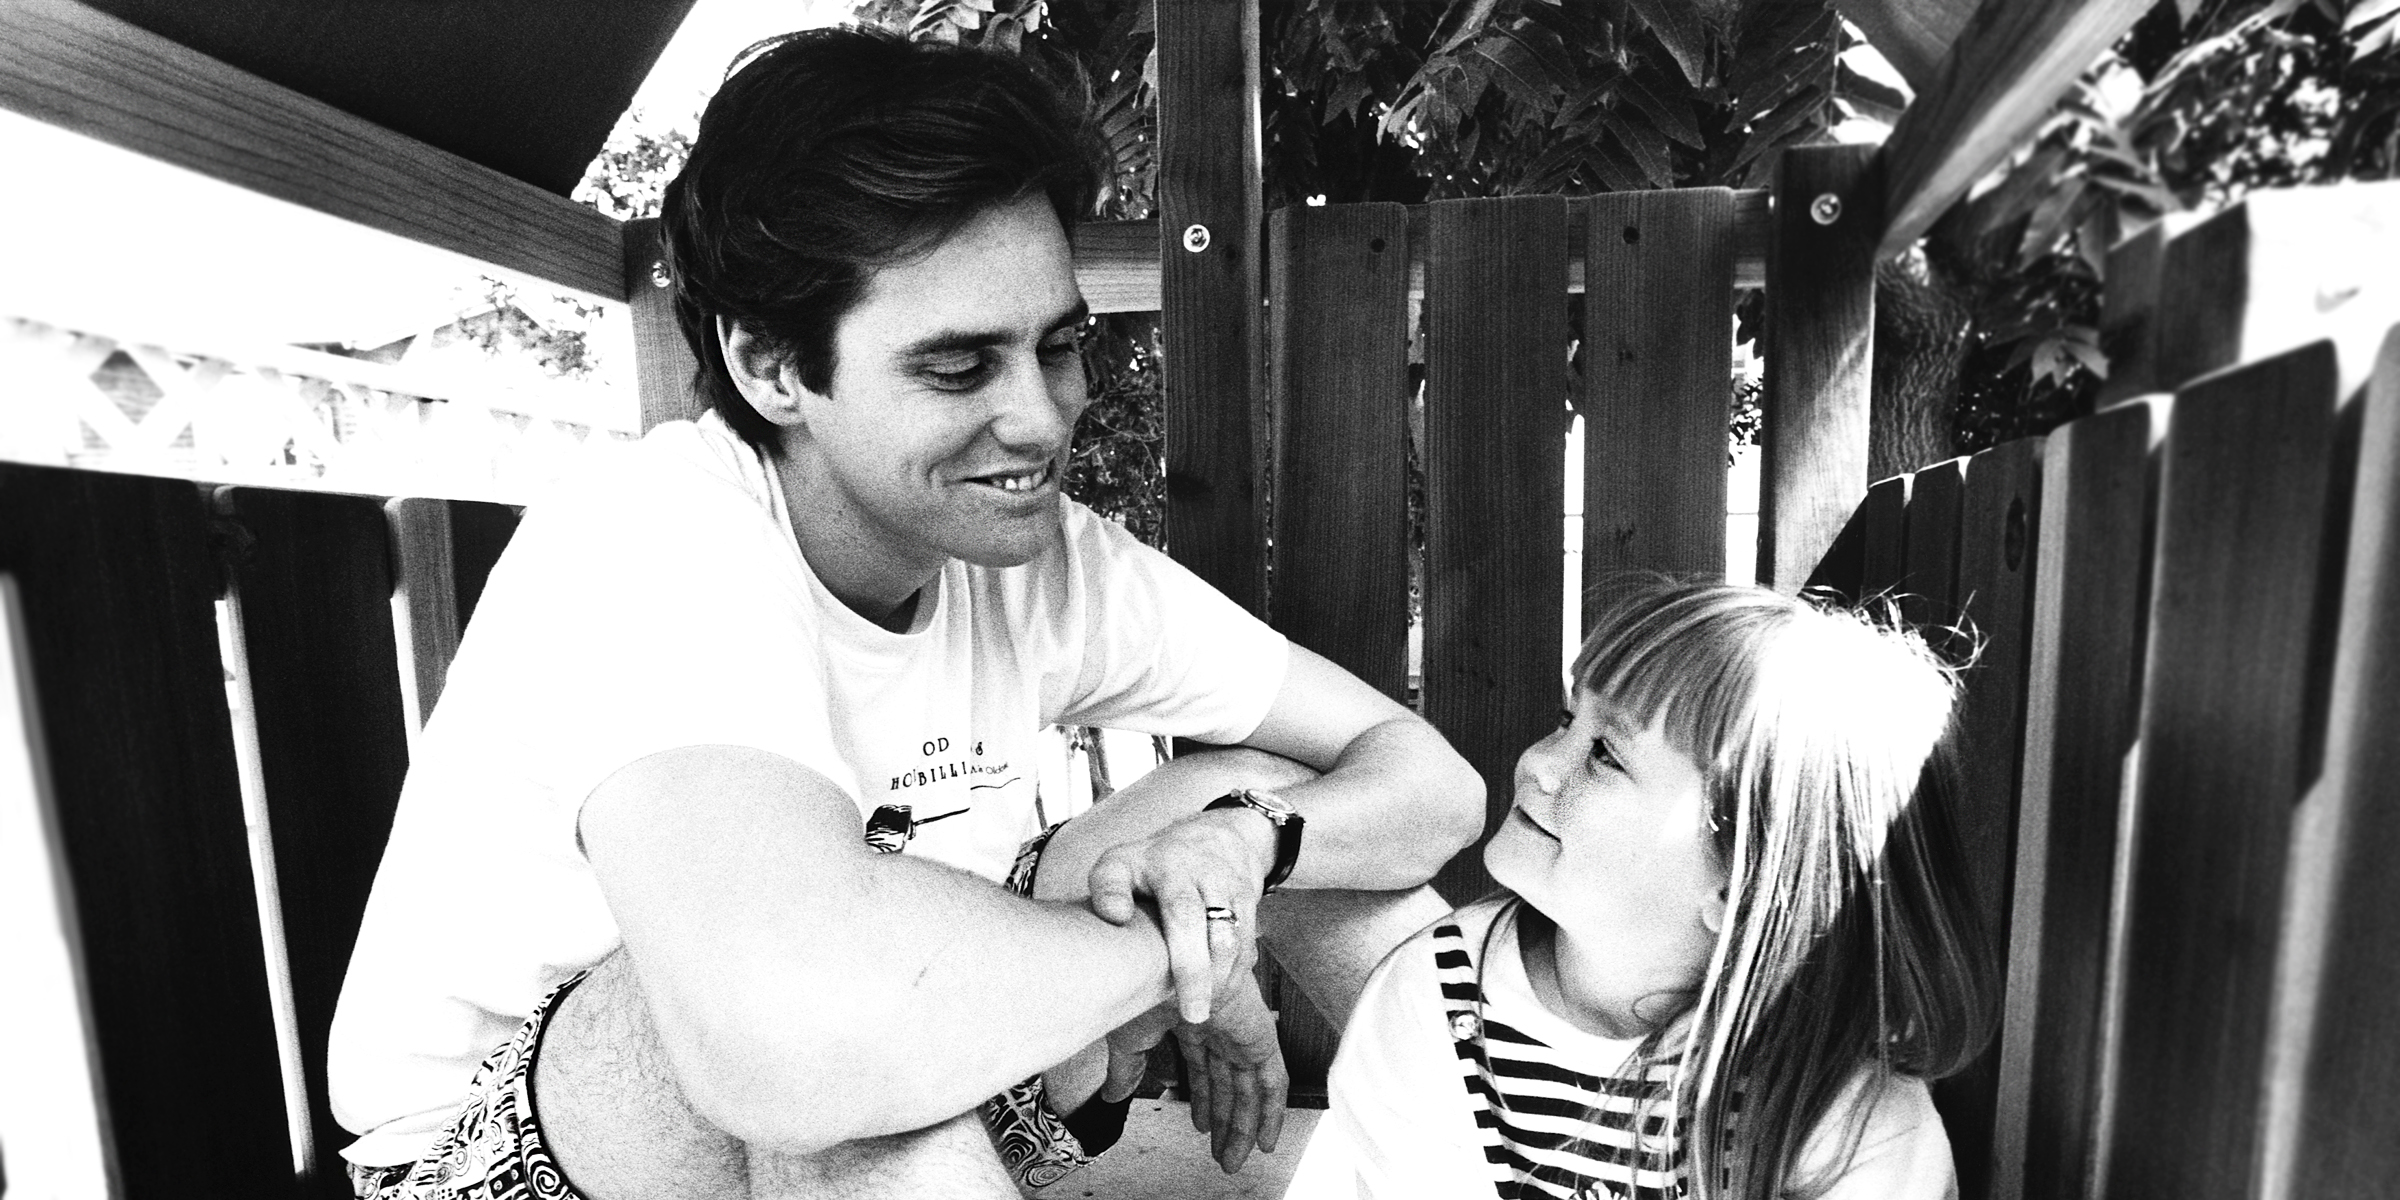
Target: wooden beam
pixel 66 64
pixel 1116 262
pixel 1209 282
pixel 2012 62
pixel 1820 344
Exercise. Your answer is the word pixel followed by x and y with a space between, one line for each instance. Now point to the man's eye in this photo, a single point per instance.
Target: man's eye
pixel 955 375
pixel 1066 347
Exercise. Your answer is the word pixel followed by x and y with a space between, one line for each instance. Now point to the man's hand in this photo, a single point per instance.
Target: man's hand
pixel 1207 860
pixel 1235 1069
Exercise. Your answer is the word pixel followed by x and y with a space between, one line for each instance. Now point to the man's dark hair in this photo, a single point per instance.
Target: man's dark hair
pixel 832 152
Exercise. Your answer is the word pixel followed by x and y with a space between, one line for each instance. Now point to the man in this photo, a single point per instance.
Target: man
pixel 643 867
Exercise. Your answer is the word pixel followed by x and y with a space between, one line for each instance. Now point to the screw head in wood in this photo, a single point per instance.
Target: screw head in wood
pixel 658 275
pixel 1825 209
pixel 1195 238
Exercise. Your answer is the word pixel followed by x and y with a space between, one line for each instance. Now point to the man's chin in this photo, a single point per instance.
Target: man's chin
pixel 1015 547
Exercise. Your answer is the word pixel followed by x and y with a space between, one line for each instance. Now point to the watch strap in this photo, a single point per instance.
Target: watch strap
pixel 1288 826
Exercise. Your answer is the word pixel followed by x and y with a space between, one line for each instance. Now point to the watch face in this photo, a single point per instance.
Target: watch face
pixel 1271 803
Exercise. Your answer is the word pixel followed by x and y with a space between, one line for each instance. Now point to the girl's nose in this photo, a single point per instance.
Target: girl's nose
pixel 1539 767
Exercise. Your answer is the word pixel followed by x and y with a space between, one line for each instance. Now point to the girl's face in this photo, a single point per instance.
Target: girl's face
pixel 1609 836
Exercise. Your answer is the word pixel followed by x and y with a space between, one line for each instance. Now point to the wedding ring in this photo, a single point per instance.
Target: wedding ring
pixel 1218 912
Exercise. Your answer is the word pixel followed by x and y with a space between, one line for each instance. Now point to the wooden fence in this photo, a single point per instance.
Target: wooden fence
pixel 2180 731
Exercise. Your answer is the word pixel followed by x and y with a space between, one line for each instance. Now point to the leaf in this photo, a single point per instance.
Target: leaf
pixel 1647 145
pixel 2366 12
pixel 1680 29
pixel 1547 49
pixel 1857 88
pixel 1673 118
pixel 1478 14
pixel 1613 168
pixel 1519 74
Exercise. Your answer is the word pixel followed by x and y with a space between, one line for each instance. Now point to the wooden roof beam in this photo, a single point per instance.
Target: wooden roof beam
pixel 2009 66
pixel 72 66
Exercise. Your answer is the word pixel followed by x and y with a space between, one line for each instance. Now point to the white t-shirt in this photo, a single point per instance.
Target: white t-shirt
pixel 1411 1117
pixel 658 599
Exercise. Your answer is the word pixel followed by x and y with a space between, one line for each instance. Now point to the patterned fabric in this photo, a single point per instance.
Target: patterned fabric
pixel 1550 1131
pixel 494 1149
pixel 1034 1143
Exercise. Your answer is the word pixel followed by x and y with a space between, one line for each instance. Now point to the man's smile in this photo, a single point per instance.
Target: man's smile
pixel 1028 479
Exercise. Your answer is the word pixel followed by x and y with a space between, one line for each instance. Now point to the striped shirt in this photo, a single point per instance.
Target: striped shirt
pixel 1456 1083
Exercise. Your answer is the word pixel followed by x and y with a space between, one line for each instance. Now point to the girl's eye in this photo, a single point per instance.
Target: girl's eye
pixel 1602 754
pixel 1566 717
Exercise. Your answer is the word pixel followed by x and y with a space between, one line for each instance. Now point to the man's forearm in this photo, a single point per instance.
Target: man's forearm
pixel 1397 804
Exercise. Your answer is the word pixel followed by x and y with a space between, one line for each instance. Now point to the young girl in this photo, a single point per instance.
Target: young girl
pixel 1729 949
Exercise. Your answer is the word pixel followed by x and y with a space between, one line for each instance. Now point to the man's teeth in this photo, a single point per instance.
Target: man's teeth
pixel 1025 482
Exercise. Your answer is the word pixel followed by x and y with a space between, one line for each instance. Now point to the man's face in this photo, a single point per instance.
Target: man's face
pixel 954 396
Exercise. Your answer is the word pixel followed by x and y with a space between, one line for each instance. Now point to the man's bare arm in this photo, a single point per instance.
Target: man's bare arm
pixel 809 991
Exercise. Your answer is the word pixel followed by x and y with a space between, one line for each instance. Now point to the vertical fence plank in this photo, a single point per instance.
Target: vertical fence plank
pixel 2342 1141
pixel 1929 578
pixel 1883 536
pixel 1657 361
pixel 1208 188
pixel 2082 663
pixel 662 359
pixel 1820 346
pixel 2278 270
pixel 1991 547
pixel 1340 395
pixel 1495 458
pixel 315 590
pixel 119 585
pixel 2241 521
pixel 1338 388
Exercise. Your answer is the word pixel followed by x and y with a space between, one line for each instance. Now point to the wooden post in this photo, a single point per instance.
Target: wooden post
pixel 663 361
pixel 425 603
pixel 1820 349
pixel 1209 216
pixel 1495 486
pixel 1658 299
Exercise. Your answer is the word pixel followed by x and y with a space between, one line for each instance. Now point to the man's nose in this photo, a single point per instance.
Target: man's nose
pixel 1026 411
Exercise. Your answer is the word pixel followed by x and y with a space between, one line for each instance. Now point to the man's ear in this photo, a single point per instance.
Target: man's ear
pixel 762 372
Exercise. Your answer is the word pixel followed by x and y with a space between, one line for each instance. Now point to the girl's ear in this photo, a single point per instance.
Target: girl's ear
pixel 763 373
pixel 1712 914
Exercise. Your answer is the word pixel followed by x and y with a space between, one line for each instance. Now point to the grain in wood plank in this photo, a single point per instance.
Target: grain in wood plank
pixel 2341 1139
pixel 2241 523
pixel 1340 395
pixel 1883 540
pixel 1997 507
pixel 2007 69
pixel 2129 313
pixel 72 66
pixel 2281 269
pixel 1820 347
pixel 2082 668
pixel 315 590
pixel 1208 178
pixel 1495 451
pixel 426 594
pixel 663 365
pixel 118 585
pixel 1658 299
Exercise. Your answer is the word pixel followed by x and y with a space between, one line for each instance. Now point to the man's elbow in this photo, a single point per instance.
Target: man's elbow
pixel 800 1098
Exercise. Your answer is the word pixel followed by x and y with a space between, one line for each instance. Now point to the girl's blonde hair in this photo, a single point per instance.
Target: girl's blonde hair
pixel 1850 937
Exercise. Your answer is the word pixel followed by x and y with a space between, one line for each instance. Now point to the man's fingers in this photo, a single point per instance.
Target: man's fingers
pixel 1186 927
pixel 1112 890
pixel 1195 1080
pixel 1274 1086
pixel 1125 1069
pixel 1244 1124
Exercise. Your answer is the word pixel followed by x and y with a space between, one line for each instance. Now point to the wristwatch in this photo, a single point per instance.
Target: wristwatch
pixel 1279 812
